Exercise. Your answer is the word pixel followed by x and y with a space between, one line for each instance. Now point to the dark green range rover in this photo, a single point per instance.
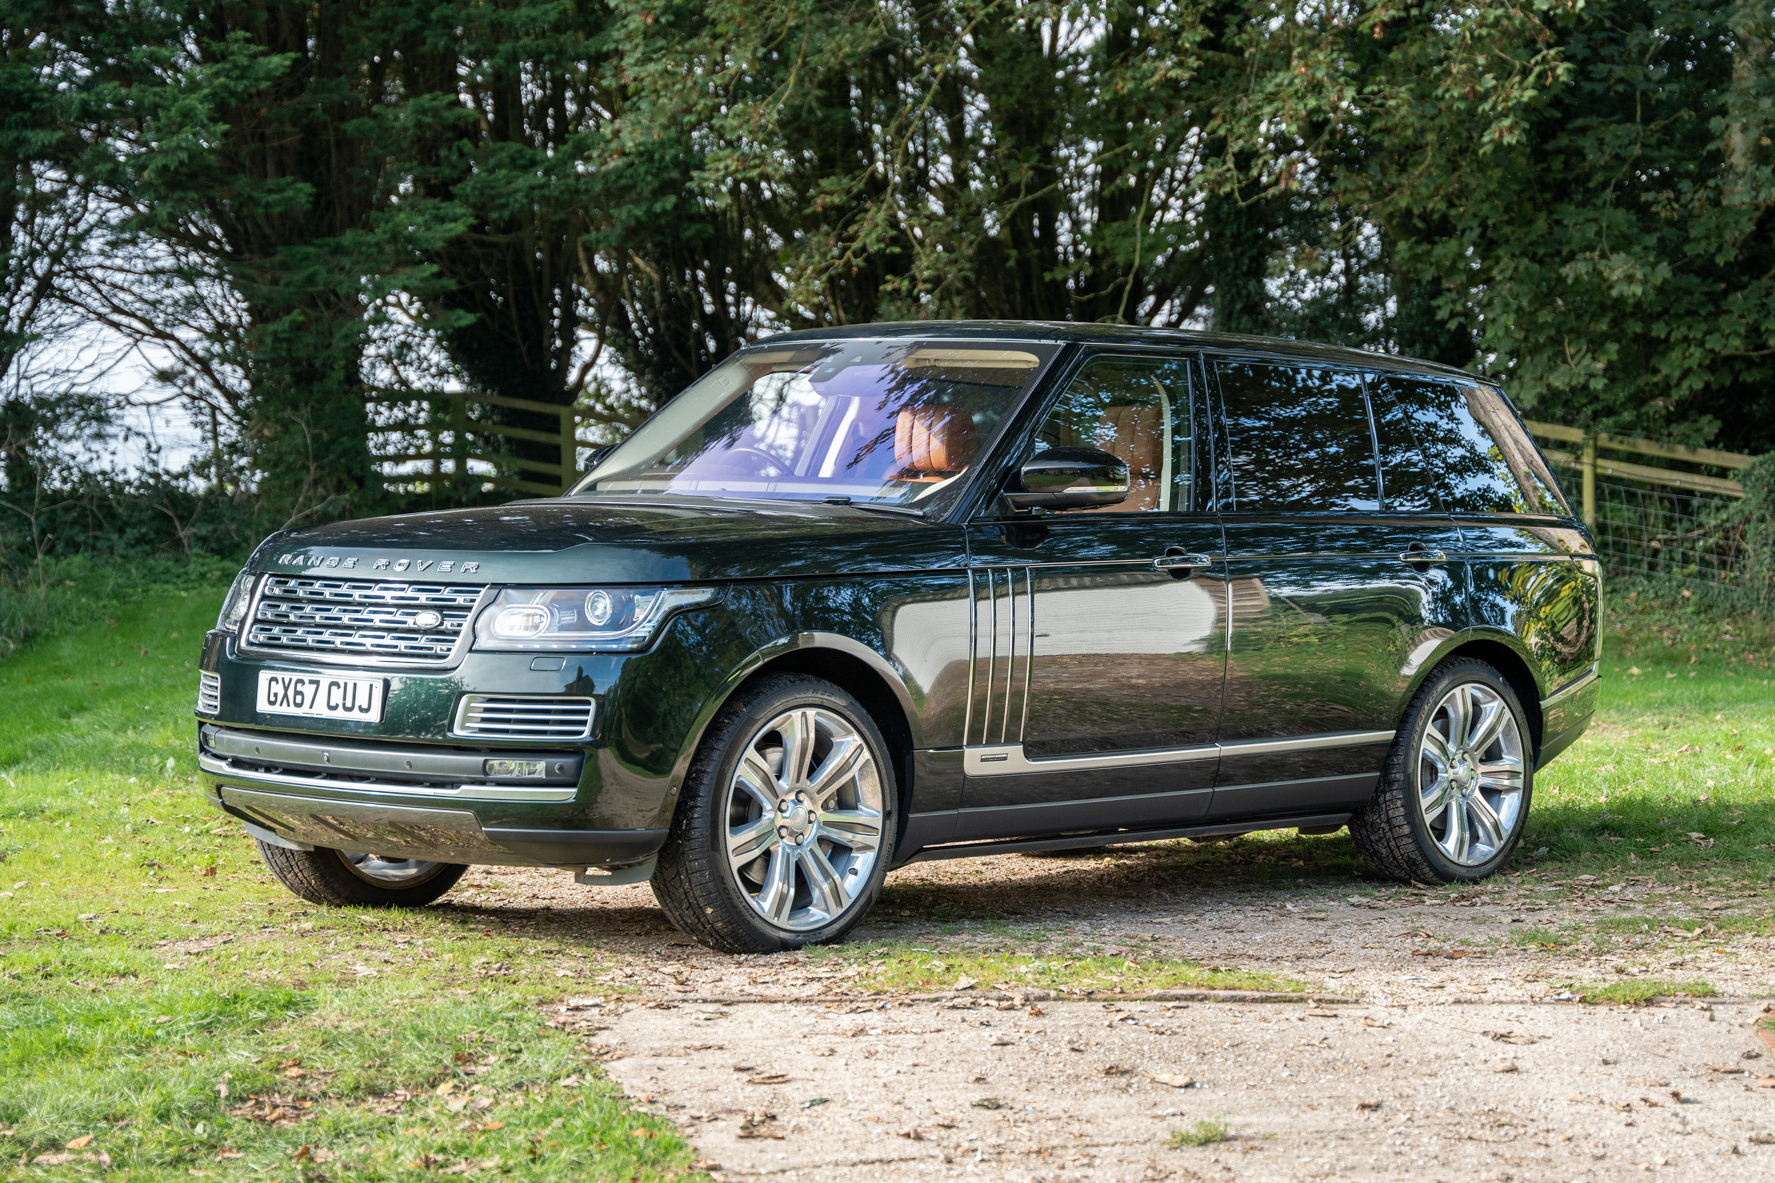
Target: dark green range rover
pixel 864 596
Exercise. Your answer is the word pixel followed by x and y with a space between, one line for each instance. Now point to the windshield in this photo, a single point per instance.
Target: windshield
pixel 886 422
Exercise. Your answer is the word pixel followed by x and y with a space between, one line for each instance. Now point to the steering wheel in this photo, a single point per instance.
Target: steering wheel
pixel 770 462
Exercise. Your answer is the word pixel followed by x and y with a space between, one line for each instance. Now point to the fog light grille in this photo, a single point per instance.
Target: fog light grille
pixel 209 693
pixel 513 716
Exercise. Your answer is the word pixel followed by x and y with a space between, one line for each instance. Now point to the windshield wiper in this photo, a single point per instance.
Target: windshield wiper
pixel 903 510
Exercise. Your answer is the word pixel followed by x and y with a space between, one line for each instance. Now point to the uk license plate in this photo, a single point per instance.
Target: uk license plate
pixel 320 696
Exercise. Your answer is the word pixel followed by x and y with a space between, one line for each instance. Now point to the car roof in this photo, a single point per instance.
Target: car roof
pixel 1068 332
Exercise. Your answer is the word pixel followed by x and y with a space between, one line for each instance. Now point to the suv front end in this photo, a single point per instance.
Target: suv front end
pixel 401 706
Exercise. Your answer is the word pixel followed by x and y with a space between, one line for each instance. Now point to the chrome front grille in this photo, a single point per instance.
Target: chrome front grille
pixel 516 716
pixel 361 617
pixel 209 693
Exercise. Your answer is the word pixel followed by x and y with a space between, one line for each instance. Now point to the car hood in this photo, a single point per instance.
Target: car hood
pixel 659 540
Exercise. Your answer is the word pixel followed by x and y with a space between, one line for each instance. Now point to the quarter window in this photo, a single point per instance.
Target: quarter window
pixel 1298 438
pixel 1135 408
pixel 1470 444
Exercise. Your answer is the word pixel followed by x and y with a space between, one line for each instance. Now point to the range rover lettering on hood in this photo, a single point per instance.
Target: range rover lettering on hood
pixel 354 563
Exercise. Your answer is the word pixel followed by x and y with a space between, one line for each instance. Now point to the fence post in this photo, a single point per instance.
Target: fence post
pixel 569 448
pixel 459 440
pixel 1587 466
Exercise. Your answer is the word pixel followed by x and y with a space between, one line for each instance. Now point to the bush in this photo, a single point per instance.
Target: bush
pixel 1755 518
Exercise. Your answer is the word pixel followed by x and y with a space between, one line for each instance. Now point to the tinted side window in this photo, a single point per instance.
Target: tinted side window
pixel 1137 409
pixel 1409 482
pixel 1470 440
pixel 1298 438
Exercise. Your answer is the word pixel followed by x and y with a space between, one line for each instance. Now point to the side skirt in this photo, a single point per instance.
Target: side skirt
pixel 1318 822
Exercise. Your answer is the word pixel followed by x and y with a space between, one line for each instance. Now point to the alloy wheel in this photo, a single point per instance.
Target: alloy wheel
pixel 1470 774
pixel 804 818
pixel 385 871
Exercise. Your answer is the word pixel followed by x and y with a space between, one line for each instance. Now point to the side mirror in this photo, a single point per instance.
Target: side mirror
pixel 1069 478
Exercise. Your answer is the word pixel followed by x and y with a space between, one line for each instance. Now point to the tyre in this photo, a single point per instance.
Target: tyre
pixel 785 828
pixel 1455 793
pixel 339 878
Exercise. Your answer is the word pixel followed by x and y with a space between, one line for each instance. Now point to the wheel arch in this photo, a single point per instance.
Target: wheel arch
pixel 1496 651
pixel 848 664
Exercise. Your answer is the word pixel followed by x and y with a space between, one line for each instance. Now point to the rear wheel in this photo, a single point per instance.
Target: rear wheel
pixel 785 829
pixel 343 877
pixel 1455 794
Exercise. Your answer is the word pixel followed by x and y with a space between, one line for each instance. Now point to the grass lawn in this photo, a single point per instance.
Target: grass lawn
pixel 168 1009
pixel 137 1028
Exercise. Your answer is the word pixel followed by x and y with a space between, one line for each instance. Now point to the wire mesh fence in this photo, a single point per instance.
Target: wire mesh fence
pixel 1648 530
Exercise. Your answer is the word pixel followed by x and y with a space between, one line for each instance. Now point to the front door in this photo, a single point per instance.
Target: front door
pixel 1339 594
pixel 1100 634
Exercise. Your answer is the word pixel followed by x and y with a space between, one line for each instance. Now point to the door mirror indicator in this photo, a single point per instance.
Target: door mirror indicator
pixel 1069 478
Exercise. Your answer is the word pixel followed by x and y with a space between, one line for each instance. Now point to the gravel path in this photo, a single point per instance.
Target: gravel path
pixel 1075 1090
pixel 1437 1038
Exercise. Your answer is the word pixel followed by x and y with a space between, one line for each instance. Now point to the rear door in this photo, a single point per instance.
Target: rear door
pixel 1100 633
pixel 1336 594
pixel 1531 571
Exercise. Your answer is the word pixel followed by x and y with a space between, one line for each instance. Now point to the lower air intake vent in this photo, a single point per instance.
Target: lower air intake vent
pixel 209 693
pixel 513 716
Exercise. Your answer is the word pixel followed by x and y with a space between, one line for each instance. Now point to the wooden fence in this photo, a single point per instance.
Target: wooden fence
pixel 1667 518
pixel 451 435
pixel 1590 463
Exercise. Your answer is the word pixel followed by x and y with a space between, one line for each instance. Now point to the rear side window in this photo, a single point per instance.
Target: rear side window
pixel 1409 482
pixel 1472 453
pixel 1298 438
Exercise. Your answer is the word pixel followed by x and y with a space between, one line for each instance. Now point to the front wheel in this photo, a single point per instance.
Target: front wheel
pixel 1454 796
pixel 785 829
pixel 343 877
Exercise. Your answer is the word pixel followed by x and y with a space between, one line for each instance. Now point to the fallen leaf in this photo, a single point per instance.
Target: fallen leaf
pixel 80 1143
pixel 1370 1105
pixel 1506 1066
pixel 912 1133
pixel 1509 1037
pixel 1319 1013
pixel 1116 1070
pixel 1166 1078
pixel 768 1078
pixel 753 1126
pixel 988 1103
pixel 1371 1021
pixel 966 983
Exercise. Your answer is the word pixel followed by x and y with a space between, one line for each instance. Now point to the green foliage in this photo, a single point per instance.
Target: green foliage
pixel 1205 1132
pixel 595 200
pixel 1642 990
pixel 1754 517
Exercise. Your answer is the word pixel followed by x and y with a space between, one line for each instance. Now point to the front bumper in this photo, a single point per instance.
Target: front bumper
pixel 409 786
pixel 443 835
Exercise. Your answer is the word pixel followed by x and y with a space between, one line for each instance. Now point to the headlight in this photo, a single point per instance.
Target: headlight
pixel 234 607
pixel 618 619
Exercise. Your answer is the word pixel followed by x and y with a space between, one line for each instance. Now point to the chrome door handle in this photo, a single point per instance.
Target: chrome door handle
pixel 1172 560
pixel 1422 554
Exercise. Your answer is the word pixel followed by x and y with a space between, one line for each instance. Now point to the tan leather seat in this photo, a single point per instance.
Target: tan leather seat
pixel 932 442
pixel 1133 436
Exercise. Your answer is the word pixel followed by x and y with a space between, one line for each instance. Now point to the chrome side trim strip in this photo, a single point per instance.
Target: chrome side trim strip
pixel 967 722
pixel 248 778
pixel 1009 759
pixel 1306 743
pixel 1572 687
